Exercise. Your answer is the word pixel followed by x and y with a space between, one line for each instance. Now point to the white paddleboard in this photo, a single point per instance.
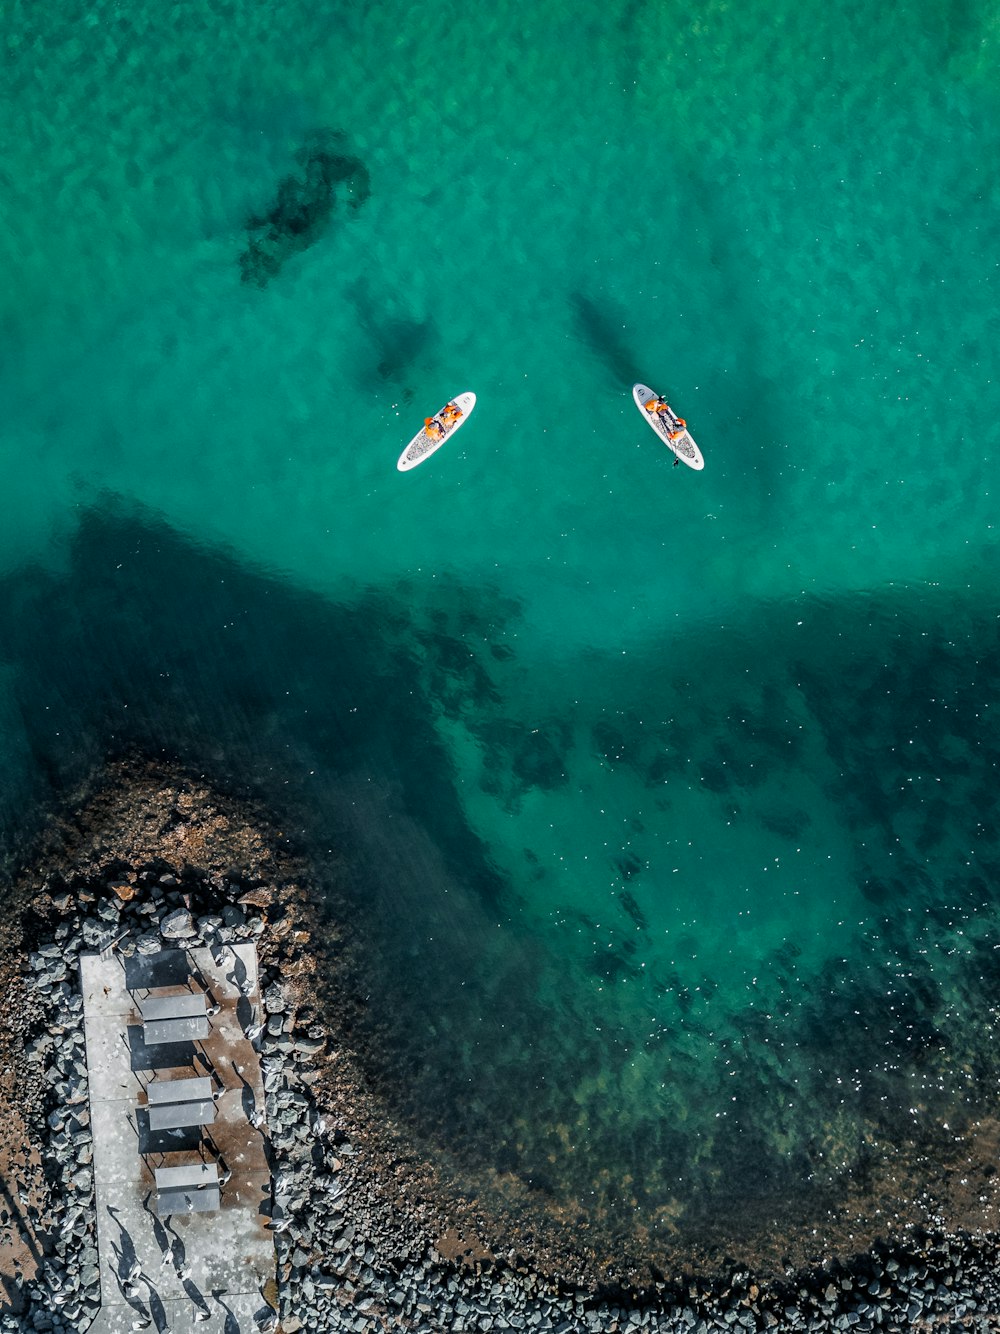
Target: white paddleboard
pixel 665 422
pixel 426 441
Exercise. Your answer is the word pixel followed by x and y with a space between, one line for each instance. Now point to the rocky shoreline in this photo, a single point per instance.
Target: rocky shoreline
pixel 365 1238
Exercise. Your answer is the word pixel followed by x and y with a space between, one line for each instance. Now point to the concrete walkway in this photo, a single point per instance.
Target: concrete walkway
pixel 188 1271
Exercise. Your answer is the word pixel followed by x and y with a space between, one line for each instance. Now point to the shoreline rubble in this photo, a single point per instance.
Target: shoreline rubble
pixel 353 1252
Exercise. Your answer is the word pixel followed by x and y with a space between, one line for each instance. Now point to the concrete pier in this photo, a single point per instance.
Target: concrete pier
pixel 188 1270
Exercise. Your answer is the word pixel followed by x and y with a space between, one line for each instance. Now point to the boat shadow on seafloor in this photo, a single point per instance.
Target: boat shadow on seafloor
pixel 599 327
pixel 398 339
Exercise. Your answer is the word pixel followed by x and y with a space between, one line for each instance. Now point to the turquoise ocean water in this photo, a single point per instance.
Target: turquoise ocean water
pixel 668 799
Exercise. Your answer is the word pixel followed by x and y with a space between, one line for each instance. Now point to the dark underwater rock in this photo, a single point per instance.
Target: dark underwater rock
pixel 628 903
pixel 304 204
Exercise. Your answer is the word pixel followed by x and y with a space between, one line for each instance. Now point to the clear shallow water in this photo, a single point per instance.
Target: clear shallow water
pixel 667 795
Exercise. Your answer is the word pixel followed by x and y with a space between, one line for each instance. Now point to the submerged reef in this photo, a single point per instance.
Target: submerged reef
pixel 303 206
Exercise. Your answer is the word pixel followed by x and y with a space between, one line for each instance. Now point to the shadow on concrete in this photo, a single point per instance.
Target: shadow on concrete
pixel 248 1097
pixel 239 976
pixel 156 1143
pixel 127 1271
pixel 172 1248
pixel 240 979
pixel 156 1311
pixel 160 1233
pixel 196 1295
pixel 212 1152
pixel 169 968
pixel 232 1324
pixel 162 1056
pixel 125 1249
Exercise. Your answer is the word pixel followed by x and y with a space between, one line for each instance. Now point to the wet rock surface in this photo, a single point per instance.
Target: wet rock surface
pixel 365 1238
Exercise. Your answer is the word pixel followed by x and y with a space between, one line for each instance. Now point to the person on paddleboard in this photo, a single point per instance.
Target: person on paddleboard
pixel 676 425
pixel 450 414
pixel 433 428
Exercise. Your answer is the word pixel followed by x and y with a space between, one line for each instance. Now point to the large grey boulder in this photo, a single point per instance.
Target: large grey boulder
pixel 177 925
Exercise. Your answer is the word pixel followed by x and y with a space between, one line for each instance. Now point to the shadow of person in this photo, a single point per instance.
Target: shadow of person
pixel 125 1250
pixel 196 1295
pixel 232 1324
pixel 265 1205
pixel 15 1299
pixel 239 977
pixel 178 1251
pixel 248 1097
pixel 603 330
pixel 156 1310
pixel 159 1231
pixel 126 1279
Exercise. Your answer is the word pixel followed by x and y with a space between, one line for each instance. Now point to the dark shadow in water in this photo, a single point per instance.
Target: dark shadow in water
pixel 604 330
pixel 398 338
pixel 303 206
pixel 628 903
pixel 150 641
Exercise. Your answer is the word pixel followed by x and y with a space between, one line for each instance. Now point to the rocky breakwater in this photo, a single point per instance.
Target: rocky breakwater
pixel 146 910
pixel 366 1238
pixel 65 1291
pixel 356 1255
